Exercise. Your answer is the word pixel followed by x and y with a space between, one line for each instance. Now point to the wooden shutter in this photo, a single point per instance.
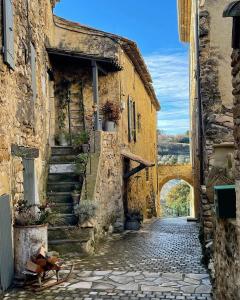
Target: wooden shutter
pixel 134 122
pixel 129 119
pixel 6 247
pixel 30 182
pixel 8 25
pixel 33 70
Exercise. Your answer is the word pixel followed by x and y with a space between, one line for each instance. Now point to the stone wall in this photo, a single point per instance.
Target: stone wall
pixel 23 122
pixel 227 261
pixel 216 101
pixel 108 188
pixel 227 241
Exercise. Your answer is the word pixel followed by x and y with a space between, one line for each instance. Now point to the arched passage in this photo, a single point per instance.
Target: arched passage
pixel 170 172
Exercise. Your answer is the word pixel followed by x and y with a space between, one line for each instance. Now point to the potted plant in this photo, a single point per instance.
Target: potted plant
pixel 30 232
pixel 86 212
pixel 80 163
pixel 62 138
pixel 81 140
pixel 133 220
pixel 111 112
pixel 76 195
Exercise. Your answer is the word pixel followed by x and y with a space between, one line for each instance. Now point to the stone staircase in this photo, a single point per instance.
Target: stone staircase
pixel 64 236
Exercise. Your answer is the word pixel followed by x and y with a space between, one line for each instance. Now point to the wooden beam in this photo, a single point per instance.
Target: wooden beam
pixel 134 171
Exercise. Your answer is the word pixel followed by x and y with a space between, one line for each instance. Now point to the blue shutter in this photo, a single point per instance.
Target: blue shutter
pixel 33 70
pixel 129 119
pixel 8 33
pixel 6 247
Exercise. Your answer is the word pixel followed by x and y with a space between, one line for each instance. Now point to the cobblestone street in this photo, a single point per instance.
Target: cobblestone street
pixel 161 261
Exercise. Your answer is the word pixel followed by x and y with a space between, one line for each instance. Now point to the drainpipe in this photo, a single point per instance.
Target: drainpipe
pixel 95 94
pixel 200 107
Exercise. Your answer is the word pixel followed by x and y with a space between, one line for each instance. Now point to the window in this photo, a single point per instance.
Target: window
pixel 8 27
pixel 132 121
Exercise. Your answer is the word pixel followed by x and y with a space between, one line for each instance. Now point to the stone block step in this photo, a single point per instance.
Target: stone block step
pixel 70 247
pixel 66 219
pixel 61 168
pixel 63 208
pixel 68 150
pixel 63 186
pixel 68 177
pixel 60 197
pixel 70 232
pixel 62 159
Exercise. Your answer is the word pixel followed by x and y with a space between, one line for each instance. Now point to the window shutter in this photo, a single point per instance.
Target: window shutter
pixel 33 70
pixel 8 33
pixel 134 122
pixel 129 119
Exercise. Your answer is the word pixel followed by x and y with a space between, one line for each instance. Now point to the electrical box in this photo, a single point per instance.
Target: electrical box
pixel 225 201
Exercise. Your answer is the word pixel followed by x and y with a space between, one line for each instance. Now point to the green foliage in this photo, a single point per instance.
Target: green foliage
pixel 80 163
pixel 80 138
pixel 178 199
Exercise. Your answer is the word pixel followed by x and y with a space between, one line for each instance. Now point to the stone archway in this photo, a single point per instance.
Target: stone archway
pixel 170 172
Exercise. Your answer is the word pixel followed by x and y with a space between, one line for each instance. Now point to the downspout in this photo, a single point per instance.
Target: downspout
pixel 200 107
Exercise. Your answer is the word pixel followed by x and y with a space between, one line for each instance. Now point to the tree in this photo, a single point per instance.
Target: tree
pixel 178 199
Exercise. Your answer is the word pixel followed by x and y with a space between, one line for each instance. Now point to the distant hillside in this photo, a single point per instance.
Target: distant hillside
pixel 171 151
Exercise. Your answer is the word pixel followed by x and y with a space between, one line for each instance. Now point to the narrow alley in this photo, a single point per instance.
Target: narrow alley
pixel 161 261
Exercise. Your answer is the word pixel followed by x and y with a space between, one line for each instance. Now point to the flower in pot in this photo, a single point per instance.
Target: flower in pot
pixel 76 195
pixel 30 232
pixel 86 212
pixel 111 111
pixel 81 163
pixel 81 140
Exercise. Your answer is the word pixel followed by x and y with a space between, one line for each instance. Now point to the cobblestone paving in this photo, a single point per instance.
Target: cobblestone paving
pixel 162 261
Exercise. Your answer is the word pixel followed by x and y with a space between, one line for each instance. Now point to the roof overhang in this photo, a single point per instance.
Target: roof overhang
pixel 107 64
pixel 232 10
pixel 184 19
pixel 129 47
pixel 137 159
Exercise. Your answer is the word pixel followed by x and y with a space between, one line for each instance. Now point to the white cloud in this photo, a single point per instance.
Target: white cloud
pixel 170 74
pixel 171 82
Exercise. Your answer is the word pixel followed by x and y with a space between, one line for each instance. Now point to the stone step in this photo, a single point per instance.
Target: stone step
pixel 74 246
pixel 63 186
pixel 66 219
pixel 60 197
pixel 70 233
pixel 68 150
pixel 63 208
pixel 62 159
pixel 61 168
pixel 68 177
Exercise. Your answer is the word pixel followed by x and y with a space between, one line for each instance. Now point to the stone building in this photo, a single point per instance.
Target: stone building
pixel 56 76
pixel 211 108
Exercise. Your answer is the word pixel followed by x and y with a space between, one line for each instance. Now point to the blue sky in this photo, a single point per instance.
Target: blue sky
pixel 153 25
